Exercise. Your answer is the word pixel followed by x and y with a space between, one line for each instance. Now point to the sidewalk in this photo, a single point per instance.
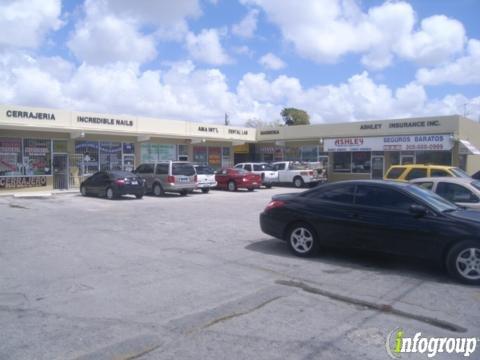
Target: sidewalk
pixel 38 194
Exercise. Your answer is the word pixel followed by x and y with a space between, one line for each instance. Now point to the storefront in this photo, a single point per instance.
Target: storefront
pixel 365 150
pixel 54 149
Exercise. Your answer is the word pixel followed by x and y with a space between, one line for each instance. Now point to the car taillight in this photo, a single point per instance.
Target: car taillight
pixel 274 204
pixel 310 173
pixel 244 179
pixel 171 179
pixel 120 182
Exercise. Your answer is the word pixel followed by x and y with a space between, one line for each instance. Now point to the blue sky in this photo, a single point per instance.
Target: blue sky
pixel 340 60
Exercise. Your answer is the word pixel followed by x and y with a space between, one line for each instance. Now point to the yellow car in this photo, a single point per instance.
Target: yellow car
pixel 415 171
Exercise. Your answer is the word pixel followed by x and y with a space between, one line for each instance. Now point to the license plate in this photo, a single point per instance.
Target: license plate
pixel 134 182
pixel 183 179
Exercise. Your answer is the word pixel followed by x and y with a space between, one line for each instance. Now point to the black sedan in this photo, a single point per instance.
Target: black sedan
pixel 389 217
pixel 112 184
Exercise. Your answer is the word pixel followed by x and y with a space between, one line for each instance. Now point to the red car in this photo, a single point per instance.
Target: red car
pixel 233 179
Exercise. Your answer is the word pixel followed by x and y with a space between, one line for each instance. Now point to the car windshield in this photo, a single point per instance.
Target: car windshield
pixel 476 184
pixel 459 173
pixel 432 199
pixel 260 167
pixel 183 169
pixel 204 170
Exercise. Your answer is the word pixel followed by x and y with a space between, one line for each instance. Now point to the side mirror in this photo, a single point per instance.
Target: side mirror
pixel 418 210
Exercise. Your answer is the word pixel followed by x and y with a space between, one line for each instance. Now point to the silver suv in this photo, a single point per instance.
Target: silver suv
pixel 168 176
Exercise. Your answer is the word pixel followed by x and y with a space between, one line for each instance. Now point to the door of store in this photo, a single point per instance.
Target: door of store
pixel 60 171
pixel 378 165
pixel 407 159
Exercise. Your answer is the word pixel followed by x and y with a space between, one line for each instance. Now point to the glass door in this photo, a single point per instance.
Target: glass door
pixel 128 162
pixel 378 165
pixel 60 171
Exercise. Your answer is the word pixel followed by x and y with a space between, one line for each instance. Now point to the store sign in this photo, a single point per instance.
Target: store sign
pixel 104 121
pixel 17 182
pixel 237 132
pixel 269 132
pixel 208 129
pixel 29 115
pixel 390 143
pixel 401 124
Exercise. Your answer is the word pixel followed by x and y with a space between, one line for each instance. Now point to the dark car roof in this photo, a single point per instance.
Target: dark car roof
pixel 398 184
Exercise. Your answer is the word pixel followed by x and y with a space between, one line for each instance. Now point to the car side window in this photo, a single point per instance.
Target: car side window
pixel 381 197
pixel 426 185
pixel 338 193
pixel 416 173
pixel 395 173
pixel 279 166
pixel 94 178
pixel 239 166
pixel 456 193
pixel 248 167
pixel 162 169
pixel 438 173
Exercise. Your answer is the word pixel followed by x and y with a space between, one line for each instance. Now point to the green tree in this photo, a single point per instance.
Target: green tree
pixel 293 116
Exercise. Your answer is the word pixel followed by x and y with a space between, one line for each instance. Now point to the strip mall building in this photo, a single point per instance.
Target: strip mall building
pixel 55 149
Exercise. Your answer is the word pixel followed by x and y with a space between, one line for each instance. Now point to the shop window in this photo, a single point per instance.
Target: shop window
pixel 361 162
pixel 200 154
pixel 89 152
pixel 10 157
pixel 292 153
pixel 226 157
pixel 157 152
pixel 215 157
pixel 342 162
pixel 37 156
pixel 60 146
pixel 309 153
pixel 434 157
pixel 110 156
pixel 128 148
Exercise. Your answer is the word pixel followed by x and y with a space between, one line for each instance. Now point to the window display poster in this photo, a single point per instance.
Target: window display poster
pixel 89 150
pixel 37 158
pixel 10 156
pixel 128 148
pixel 214 156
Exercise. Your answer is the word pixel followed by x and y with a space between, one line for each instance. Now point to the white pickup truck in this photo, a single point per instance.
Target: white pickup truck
pixel 298 174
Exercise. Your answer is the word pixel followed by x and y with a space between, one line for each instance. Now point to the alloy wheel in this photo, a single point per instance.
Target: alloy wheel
pixel 468 263
pixel 301 240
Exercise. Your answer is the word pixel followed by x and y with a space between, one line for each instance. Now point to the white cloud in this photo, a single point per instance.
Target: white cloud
pixel 272 62
pixel 101 39
pixel 326 30
pixel 25 23
pixel 206 47
pixel 247 27
pixel 464 70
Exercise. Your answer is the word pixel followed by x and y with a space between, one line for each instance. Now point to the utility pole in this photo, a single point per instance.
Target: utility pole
pixel 227 120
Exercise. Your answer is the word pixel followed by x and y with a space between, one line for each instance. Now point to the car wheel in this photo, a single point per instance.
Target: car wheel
pixel 157 190
pixel 268 186
pixel 83 190
pixel 232 186
pixel 302 240
pixel 298 182
pixel 251 189
pixel 184 192
pixel 110 194
pixel 463 262
pixel 205 191
pixel 139 196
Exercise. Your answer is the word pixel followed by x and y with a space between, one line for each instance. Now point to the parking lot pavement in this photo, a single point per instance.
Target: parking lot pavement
pixel 195 278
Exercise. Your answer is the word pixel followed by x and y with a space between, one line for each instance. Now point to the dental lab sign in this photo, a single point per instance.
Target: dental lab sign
pixel 435 142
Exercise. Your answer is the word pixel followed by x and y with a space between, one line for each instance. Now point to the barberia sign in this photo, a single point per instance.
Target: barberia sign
pixel 17 182
pixel 390 143
pixel 17 114
pixel 104 121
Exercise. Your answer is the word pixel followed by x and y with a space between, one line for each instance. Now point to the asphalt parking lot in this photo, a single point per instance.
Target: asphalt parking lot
pixel 195 278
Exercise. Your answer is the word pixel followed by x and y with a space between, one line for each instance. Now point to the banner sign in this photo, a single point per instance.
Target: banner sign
pixel 433 142
pixel 17 182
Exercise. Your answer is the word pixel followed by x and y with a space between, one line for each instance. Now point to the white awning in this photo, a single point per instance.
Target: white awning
pixel 466 147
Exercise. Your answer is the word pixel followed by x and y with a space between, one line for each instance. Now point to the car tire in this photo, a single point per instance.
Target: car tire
pixel 184 192
pixel 83 190
pixel 298 182
pixel 157 190
pixel 231 186
pixel 205 191
pixel 139 196
pixel 251 189
pixel 268 186
pixel 110 194
pixel 302 240
pixel 463 262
